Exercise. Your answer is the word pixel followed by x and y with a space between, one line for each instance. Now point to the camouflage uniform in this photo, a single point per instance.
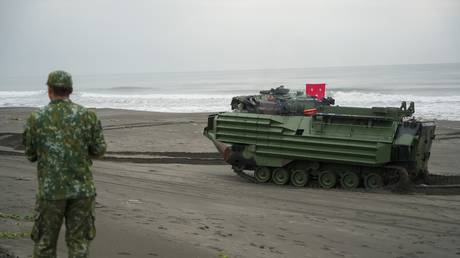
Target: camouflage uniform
pixel 63 137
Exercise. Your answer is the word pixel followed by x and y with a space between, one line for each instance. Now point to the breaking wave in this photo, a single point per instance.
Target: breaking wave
pixel 428 107
pixel 175 103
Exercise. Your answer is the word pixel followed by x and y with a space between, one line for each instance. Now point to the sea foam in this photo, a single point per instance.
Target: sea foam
pixel 427 107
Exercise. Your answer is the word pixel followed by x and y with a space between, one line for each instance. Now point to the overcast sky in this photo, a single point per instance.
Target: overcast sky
pixel 136 36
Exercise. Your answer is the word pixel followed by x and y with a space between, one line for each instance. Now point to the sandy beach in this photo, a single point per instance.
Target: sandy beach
pixel 164 192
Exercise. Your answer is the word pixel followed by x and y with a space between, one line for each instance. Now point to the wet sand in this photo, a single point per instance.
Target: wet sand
pixel 163 192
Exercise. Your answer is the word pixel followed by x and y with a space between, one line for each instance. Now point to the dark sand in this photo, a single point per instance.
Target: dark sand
pixel 181 202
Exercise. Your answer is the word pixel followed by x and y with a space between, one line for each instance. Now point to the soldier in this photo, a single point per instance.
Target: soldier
pixel 63 137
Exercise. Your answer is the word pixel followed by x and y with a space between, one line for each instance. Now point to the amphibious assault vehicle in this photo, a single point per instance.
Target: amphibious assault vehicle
pixel 293 138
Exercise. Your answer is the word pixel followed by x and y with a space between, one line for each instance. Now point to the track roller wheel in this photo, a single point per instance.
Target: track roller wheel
pixel 350 180
pixel 262 174
pixel 327 179
pixel 373 181
pixel 280 176
pixel 299 178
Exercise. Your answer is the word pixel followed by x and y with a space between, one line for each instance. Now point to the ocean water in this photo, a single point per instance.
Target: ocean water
pixel 435 88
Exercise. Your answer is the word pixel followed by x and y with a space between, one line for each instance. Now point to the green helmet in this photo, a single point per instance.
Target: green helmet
pixel 60 79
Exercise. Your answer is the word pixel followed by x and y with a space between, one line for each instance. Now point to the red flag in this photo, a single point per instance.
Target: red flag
pixel 317 90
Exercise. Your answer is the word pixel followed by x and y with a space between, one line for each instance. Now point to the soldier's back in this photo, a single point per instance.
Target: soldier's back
pixel 65 137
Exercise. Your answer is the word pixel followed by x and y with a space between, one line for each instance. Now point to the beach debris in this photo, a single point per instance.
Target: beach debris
pixel 204 227
pixel 134 201
pixel 223 255
pixel 22 178
pixel 16 217
pixel 99 205
pixel 14 235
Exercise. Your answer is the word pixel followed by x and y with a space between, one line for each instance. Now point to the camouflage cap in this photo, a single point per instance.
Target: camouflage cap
pixel 59 79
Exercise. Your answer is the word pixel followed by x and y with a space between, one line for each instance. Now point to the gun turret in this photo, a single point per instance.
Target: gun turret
pixel 278 101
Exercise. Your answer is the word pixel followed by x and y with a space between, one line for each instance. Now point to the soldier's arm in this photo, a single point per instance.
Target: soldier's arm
pixel 97 146
pixel 29 139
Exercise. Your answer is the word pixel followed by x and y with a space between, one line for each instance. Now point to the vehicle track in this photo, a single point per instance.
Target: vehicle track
pixel 204 158
pixel 182 189
pixel 390 219
pixel 448 136
pixel 135 125
pixel 223 185
pixel 291 205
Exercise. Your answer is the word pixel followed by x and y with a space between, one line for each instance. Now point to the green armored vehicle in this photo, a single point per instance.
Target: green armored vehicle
pixel 304 141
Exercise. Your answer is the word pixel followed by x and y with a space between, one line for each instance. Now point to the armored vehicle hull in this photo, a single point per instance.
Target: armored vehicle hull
pixel 345 146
